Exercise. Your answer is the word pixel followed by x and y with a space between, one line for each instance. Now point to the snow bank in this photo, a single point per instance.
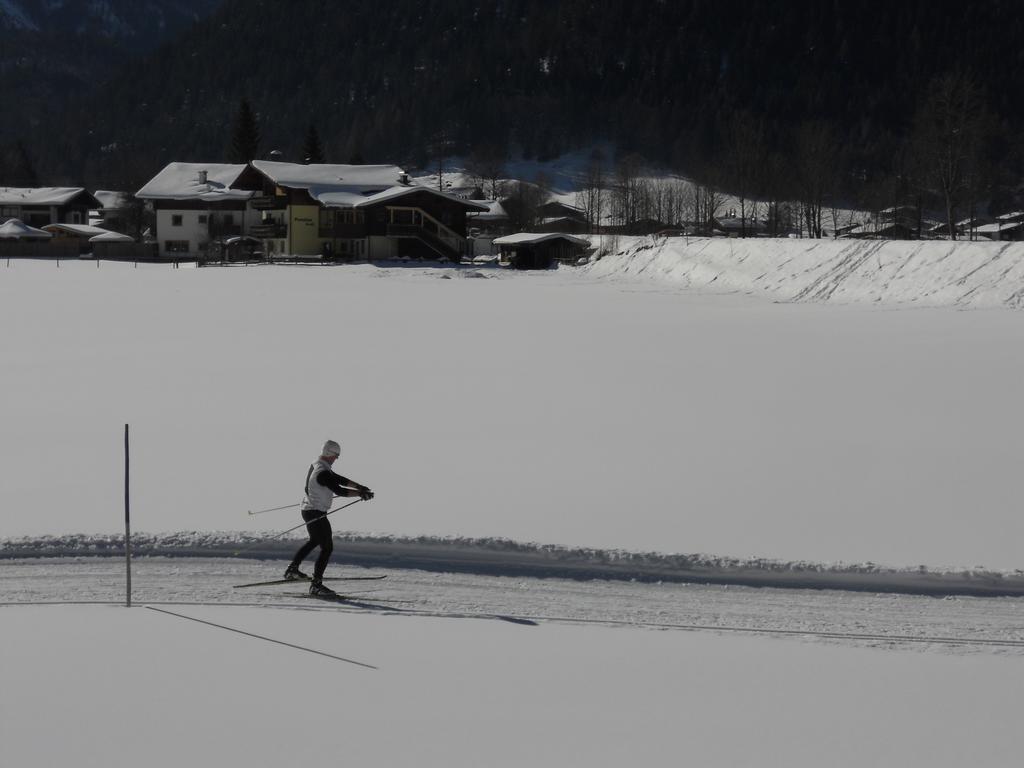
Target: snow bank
pixel 932 273
pixel 502 557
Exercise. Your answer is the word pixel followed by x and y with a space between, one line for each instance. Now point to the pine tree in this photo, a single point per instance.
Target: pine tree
pixel 312 150
pixel 16 167
pixel 245 135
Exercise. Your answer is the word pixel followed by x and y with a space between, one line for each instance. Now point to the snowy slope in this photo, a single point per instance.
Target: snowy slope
pixel 931 273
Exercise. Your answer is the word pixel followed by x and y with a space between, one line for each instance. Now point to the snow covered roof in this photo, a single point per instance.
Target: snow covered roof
pixel 989 229
pixel 402 191
pixel 347 186
pixel 530 238
pixel 110 199
pixel 16 229
pixel 112 237
pixel 39 195
pixel 330 184
pixel 78 230
pixel 495 211
pixel 181 181
pixel 1011 216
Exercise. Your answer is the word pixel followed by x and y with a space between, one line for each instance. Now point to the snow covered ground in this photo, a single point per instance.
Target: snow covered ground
pixel 606 676
pixel 583 408
pixel 957 625
pixel 613 413
pixel 890 272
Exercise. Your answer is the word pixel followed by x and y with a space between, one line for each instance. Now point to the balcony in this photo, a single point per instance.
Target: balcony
pixel 269 230
pixel 268 202
pixel 344 230
pixel 224 230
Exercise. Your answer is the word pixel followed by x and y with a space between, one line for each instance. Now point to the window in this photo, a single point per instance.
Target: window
pixel 202 218
pixel 229 219
pixel 176 246
pixel 175 220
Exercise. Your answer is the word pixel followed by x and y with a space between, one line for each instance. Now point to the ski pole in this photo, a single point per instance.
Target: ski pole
pixel 288 506
pixel 273 509
pixel 252 544
pixel 326 514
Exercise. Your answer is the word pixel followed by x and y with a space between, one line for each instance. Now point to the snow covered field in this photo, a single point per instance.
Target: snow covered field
pixel 587 408
pixel 551 407
pixel 138 686
pixel 488 671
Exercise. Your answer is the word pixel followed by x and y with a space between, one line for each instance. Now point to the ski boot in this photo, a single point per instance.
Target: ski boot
pixel 317 589
pixel 292 573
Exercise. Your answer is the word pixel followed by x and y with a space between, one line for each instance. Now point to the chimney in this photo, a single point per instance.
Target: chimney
pixel 403 178
pixel 202 177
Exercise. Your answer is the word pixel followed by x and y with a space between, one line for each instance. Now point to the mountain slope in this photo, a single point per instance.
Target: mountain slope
pixel 53 50
pixel 403 80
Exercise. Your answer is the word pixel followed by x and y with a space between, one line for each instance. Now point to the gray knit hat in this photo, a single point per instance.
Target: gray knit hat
pixel 331 448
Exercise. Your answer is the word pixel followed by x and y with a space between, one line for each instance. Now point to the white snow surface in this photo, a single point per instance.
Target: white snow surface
pixel 135 684
pixel 180 181
pixel 891 272
pixel 549 407
pixel 537 237
pixel 38 195
pixel 578 407
pixel 16 229
pixel 470 670
pixel 331 184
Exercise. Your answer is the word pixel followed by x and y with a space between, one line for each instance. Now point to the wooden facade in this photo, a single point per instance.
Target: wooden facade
pixel 540 251
pixel 415 224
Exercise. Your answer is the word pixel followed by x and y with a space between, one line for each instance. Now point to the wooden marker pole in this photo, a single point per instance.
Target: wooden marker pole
pixel 127 527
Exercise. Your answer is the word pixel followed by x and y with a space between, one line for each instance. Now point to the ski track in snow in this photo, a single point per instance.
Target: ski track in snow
pixel 965 274
pixel 906 622
pixel 502 557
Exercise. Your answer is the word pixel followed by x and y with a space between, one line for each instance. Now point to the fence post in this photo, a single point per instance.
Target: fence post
pixel 127 528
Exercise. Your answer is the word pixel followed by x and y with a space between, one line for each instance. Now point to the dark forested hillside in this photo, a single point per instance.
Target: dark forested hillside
pixel 401 80
pixel 52 51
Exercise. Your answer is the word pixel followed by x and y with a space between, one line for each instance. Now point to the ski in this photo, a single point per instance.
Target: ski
pixel 363 597
pixel 306 580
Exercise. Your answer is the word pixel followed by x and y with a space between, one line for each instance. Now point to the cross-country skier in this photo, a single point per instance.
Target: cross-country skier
pixel 322 485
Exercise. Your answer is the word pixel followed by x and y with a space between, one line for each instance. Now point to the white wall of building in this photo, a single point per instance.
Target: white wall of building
pixel 194 227
pixel 180 226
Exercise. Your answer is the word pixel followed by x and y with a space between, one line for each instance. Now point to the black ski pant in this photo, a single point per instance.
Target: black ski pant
pixel 320 535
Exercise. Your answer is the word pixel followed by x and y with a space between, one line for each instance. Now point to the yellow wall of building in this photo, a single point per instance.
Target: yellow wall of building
pixel 304 230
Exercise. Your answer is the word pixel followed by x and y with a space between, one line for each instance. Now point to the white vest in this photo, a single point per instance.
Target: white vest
pixel 317 497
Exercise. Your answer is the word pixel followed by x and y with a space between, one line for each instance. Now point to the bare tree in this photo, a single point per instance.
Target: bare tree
pixel 949 132
pixel 487 163
pixel 816 171
pixel 708 203
pixel 523 204
pixel 626 191
pixel 744 162
pixel 591 197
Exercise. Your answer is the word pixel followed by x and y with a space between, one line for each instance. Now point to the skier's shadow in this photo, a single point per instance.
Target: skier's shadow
pixel 395 609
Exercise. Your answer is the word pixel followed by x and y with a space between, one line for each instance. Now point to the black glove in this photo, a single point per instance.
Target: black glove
pixel 366 494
